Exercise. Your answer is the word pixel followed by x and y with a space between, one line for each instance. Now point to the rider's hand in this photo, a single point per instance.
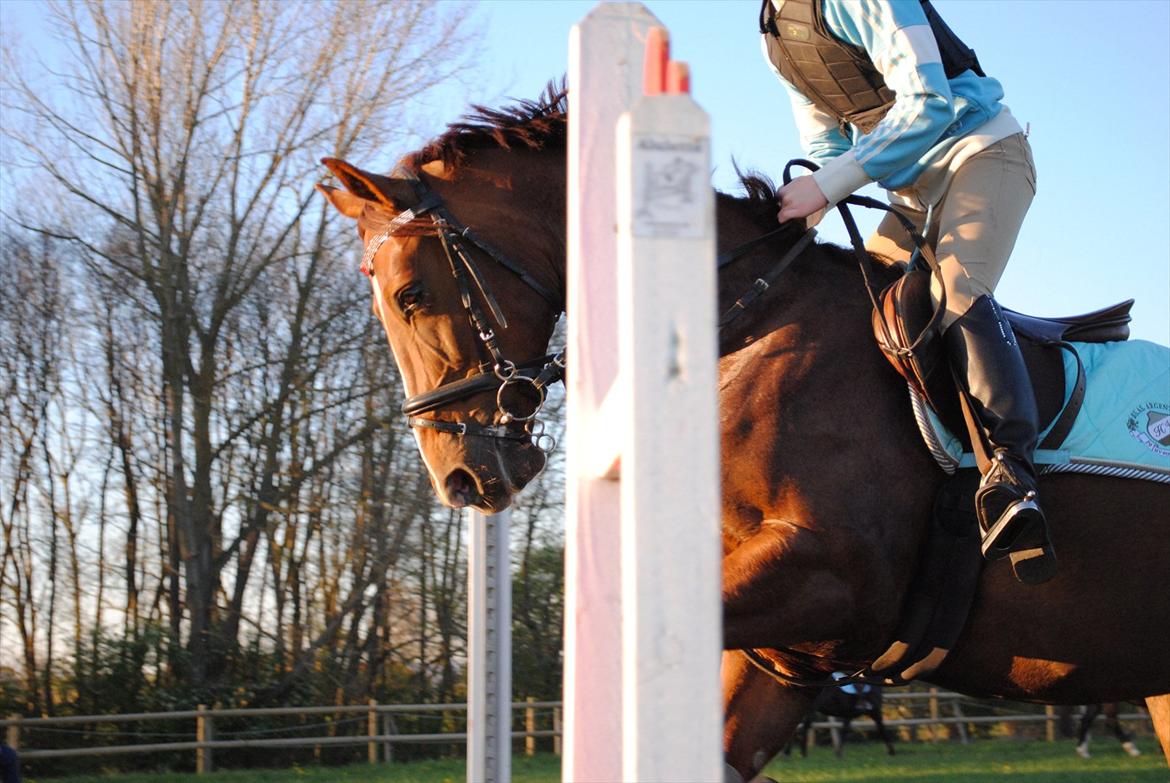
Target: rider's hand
pixel 800 198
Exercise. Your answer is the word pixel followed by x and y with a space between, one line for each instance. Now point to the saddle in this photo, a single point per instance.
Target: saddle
pixel 908 316
pixel 943 589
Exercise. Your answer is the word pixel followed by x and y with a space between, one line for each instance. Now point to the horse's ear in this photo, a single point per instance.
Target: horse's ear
pixel 343 201
pixel 390 193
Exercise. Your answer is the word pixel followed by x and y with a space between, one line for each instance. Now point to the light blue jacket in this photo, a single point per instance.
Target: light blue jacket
pixel 930 114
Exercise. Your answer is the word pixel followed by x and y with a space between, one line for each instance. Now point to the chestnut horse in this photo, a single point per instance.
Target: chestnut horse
pixel 827 488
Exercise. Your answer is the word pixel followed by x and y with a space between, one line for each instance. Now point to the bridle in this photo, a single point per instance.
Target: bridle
pixel 495 371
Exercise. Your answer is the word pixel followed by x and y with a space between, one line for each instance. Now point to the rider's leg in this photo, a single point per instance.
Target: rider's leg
pixel 977 222
pixel 890 240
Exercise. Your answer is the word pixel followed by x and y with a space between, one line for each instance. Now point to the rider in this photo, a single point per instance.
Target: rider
pixel 883 91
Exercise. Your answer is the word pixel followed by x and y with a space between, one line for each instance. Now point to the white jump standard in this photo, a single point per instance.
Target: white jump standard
pixel 642 604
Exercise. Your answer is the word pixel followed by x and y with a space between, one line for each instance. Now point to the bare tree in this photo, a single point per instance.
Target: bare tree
pixel 183 139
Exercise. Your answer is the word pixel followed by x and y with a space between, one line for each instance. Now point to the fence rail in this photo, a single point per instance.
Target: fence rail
pixel 380 736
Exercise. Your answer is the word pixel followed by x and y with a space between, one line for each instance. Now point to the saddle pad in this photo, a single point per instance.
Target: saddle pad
pixel 1123 429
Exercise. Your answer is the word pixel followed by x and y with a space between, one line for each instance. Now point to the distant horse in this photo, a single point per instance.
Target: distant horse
pixel 846 702
pixel 827 489
pixel 1110 709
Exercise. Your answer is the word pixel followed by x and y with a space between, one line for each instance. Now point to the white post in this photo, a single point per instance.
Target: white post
pixel 643 639
pixel 489 654
pixel 670 508
pixel 605 65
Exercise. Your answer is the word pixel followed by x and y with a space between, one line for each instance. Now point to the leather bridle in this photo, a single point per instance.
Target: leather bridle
pixel 495 371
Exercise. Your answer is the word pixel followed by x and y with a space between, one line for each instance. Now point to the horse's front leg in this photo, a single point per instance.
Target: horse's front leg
pixel 761 715
pixel 779 588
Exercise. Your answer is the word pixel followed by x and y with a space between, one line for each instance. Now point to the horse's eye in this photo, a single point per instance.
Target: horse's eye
pixel 410 300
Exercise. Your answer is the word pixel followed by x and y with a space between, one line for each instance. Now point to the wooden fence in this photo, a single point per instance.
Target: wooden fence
pixel 380 735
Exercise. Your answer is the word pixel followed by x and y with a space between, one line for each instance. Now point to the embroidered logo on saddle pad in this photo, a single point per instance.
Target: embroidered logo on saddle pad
pixel 1150 424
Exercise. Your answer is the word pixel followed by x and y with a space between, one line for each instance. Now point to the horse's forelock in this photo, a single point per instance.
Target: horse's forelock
pixel 374 218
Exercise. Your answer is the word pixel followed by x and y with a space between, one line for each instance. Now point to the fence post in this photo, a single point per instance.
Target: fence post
pixel 957 711
pixel 12 736
pixel 1049 723
pixel 557 729
pixel 317 748
pixel 371 732
pixel 388 728
pixel 204 732
pixel 529 727
pixel 934 727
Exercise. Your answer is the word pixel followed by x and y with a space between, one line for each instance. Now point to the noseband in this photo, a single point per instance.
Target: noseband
pixel 495 372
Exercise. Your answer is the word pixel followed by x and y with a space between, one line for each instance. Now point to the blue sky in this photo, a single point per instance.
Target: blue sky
pixel 1091 79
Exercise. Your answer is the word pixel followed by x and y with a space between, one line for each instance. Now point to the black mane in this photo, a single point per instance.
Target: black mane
pixel 534 124
pixel 759 197
pixel 543 124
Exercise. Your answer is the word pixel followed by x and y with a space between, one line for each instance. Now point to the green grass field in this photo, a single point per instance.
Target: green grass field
pixel 980 762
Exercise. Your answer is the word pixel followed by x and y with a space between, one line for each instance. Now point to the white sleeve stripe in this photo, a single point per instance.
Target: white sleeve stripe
pixel 898 121
pixel 920 40
pixel 917 42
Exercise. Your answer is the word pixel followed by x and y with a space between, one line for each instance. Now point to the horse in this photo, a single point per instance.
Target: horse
pixel 1111 710
pixel 826 487
pixel 846 702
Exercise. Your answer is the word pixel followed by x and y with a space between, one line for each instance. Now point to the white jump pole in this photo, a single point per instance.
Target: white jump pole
pixel 605 63
pixel 643 635
pixel 489 653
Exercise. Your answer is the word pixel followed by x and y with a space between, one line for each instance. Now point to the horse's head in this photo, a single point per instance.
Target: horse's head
pixel 468 296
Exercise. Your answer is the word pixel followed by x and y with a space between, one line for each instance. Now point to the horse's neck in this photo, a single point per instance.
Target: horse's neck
pixel 517 201
pixel 822 294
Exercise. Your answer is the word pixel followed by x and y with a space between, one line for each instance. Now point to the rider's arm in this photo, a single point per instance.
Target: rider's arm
pixel 820 135
pixel 902 47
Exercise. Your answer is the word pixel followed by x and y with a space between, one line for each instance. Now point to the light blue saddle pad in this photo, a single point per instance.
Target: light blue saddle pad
pixel 1123 428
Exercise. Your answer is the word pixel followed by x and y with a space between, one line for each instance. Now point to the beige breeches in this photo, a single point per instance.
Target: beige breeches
pixel 974 226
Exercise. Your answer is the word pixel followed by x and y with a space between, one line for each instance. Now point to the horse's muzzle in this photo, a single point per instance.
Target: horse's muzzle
pixel 492 490
pixel 461 489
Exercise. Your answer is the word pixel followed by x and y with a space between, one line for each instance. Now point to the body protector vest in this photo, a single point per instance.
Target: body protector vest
pixel 837 77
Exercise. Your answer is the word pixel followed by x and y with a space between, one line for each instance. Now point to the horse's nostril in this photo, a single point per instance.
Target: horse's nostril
pixel 461 488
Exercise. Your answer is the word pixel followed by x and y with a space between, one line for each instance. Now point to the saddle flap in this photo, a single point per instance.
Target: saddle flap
pixel 906 313
pixel 1109 324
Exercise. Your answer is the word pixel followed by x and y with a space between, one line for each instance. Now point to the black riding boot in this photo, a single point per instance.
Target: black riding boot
pixel 998 393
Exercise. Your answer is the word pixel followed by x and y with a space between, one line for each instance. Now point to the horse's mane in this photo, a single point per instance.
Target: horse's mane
pixel 532 124
pixel 543 124
pixel 759 197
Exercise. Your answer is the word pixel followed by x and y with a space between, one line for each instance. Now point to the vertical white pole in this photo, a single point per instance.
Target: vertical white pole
pixel 605 65
pixel 489 654
pixel 670 509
